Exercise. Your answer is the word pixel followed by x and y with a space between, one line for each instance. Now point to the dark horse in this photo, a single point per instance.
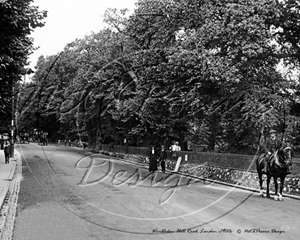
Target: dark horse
pixel 280 166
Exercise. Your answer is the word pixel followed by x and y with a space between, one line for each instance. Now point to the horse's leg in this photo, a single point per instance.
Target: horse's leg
pixel 281 187
pixel 276 185
pixel 268 185
pixel 276 188
pixel 261 191
pixel 260 174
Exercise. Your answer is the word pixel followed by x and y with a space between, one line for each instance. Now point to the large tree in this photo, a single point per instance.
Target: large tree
pixel 18 18
pixel 205 71
pixel 218 61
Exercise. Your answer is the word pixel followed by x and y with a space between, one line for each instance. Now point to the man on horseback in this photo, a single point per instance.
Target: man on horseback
pixel 272 144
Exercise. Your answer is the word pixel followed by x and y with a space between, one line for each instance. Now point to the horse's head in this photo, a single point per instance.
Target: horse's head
pixel 289 152
pixel 284 159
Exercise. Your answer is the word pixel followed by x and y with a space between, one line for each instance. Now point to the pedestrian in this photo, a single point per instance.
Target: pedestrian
pixel 163 158
pixel 272 144
pixel 66 142
pixel 174 149
pixel 84 144
pixel 6 151
pixel 152 160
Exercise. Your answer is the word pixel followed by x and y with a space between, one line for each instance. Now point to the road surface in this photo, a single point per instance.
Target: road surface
pixel 66 194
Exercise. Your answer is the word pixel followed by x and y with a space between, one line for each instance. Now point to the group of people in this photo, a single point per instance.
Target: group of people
pixel 158 156
pixel 68 143
pixel 78 143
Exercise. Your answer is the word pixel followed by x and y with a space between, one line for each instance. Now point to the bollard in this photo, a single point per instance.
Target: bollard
pixel 178 164
pixel 12 150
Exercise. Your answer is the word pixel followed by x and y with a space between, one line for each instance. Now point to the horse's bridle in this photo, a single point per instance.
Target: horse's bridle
pixel 289 151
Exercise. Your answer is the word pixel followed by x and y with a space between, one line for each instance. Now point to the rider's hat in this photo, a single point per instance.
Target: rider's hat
pixel 272 131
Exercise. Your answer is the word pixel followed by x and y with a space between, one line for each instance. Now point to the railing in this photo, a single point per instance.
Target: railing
pixel 222 160
pixel 234 161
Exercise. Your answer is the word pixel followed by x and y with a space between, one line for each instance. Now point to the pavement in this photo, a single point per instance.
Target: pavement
pixel 6 175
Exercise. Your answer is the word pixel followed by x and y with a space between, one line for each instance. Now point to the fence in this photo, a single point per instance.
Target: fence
pixel 222 160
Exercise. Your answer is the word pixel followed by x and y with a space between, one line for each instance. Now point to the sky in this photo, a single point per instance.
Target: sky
pixel 68 20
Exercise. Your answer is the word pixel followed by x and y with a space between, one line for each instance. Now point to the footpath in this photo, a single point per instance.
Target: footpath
pixel 9 188
pixel 6 175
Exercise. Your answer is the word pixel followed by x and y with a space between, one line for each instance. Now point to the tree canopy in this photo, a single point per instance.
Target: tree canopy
pixel 18 18
pixel 204 72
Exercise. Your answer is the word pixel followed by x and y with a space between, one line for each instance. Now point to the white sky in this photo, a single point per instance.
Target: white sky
pixel 68 20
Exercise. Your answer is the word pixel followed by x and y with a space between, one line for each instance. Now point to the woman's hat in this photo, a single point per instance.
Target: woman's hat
pixel 272 131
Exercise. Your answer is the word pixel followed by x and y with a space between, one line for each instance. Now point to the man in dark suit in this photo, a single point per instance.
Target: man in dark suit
pixel 272 144
pixel 163 158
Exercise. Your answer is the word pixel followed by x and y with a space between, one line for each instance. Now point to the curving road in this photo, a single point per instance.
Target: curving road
pixel 66 194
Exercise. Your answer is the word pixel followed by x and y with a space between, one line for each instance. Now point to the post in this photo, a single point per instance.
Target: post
pixel 178 164
pixel 126 145
pixel 12 122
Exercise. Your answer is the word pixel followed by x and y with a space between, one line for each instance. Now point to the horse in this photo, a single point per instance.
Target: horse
pixel 280 166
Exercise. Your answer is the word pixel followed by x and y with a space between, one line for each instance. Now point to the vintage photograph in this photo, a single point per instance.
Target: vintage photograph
pixel 149 119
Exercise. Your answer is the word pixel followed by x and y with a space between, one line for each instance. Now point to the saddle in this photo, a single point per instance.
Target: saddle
pixel 271 158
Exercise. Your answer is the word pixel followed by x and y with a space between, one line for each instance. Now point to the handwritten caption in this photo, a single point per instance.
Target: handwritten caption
pixel 220 231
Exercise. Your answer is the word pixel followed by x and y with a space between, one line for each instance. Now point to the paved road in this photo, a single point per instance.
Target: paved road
pixel 67 195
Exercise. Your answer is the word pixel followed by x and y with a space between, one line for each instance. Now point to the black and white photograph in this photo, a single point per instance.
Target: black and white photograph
pixel 149 119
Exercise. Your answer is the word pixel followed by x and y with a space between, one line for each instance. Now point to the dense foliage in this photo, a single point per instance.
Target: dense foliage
pixel 18 18
pixel 201 72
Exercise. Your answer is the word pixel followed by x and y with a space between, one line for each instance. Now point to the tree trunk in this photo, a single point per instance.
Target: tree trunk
pixel 99 132
pixel 214 131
